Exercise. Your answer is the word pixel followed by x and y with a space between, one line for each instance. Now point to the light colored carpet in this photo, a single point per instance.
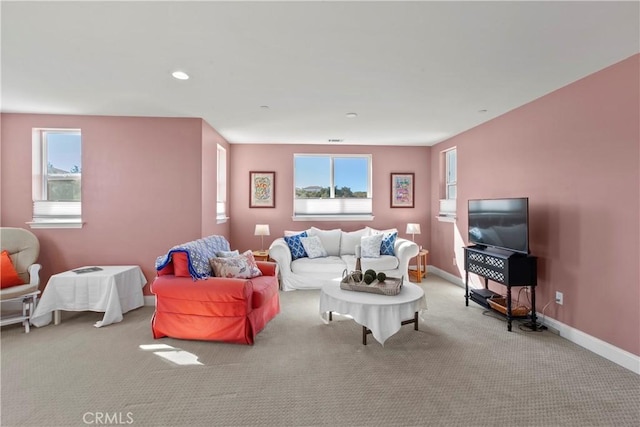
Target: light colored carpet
pixel 461 369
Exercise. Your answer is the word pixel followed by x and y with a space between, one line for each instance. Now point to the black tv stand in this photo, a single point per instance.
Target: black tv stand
pixel 504 267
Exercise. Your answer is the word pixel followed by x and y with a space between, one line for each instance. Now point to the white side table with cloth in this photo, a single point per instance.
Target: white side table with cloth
pixel 383 315
pixel 114 290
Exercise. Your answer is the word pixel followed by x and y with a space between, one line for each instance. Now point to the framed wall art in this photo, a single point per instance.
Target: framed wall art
pixel 262 189
pixel 402 189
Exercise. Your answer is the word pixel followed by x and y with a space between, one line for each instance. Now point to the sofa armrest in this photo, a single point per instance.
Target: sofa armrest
pixel 212 289
pixel 405 250
pixel 279 252
pixel 268 268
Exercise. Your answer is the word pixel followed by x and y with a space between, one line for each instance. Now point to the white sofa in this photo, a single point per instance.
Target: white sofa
pixel 312 273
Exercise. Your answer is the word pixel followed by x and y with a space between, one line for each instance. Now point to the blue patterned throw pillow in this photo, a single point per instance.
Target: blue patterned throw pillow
pixel 388 242
pixel 295 245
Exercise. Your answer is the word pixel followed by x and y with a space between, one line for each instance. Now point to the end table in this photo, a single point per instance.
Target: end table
pixel 261 255
pixel 421 267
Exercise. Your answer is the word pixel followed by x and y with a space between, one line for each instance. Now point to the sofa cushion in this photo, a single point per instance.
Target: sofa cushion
pixel 293 233
pixel 9 275
pixel 371 246
pixel 388 243
pixel 295 245
pixel 324 266
pixel 238 267
pixel 383 263
pixel 313 247
pixel 330 239
pixel 350 239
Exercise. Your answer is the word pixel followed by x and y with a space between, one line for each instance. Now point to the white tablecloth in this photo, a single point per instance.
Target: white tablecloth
pixel 382 314
pixel 114 290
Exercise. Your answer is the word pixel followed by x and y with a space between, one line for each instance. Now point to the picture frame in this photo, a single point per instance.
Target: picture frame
pixel 262 189
pixel 402 189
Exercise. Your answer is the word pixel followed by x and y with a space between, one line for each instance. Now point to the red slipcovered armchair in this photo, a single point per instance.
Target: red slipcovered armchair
pixel 216 308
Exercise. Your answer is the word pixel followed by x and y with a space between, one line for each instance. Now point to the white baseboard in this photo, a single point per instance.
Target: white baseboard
pixel 610 352
pixel 596 345
pixel 150 300
pixel 446 276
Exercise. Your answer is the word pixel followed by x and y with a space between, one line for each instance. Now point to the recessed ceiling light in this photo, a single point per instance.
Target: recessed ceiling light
pixel 180 75
pixel 264 107
pixel 482 111
pixel 352 115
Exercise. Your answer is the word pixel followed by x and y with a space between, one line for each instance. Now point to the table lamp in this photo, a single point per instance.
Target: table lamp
pixel 262 230
pixel 413 229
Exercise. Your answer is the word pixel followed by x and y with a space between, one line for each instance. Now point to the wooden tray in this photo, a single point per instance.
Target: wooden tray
pixel 391 286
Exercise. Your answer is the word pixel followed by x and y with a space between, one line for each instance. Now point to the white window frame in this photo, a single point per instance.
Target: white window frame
pixel 448 203
pixel 221 186
pixel 334 209
pixel 51 213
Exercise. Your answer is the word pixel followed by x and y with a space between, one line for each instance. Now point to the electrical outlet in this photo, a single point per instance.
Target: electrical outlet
pixel 454 261
pixel 559 297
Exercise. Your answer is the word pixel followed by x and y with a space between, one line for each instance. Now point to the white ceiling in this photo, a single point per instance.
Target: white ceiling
pixel 416 73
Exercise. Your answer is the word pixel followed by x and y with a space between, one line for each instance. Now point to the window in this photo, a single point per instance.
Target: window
pixel 449 179
pixel 57 178
pixel 330 186
pixel 221 197
pixel 450 172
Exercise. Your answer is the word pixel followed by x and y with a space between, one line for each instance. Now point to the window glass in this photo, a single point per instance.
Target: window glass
pixel 450 173
pixel 63 154
pixel 351 178
pixel 221 187
pixel 312 177
pixel 329 186
pixel 57 178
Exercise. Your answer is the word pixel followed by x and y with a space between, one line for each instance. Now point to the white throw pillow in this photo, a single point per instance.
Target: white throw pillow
pixel 350 239
pixel 371 246
pixel 330 239
pixel 313 247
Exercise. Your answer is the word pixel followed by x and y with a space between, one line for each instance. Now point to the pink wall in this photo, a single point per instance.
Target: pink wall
pixel 575 154
pixel 142 188
pixel 279 158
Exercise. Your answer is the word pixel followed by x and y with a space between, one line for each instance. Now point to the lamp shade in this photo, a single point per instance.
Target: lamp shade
pixel 262 230
pixel 413 228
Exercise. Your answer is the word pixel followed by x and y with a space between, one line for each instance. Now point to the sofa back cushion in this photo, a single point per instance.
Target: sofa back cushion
pixel 330 239
pixel 350 239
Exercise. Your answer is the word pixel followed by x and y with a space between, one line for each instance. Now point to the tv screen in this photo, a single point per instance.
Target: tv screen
pixel 500 223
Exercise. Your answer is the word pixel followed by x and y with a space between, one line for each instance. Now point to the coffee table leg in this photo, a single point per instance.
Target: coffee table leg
pixel 56 317
pixel 364 335
pixel 415 321
pixel 330 316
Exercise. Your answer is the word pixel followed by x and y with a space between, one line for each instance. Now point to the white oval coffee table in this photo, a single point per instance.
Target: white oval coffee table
pixel 380 315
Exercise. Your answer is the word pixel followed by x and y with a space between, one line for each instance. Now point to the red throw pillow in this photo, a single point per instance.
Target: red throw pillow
pixel 9 275
pixel 180 264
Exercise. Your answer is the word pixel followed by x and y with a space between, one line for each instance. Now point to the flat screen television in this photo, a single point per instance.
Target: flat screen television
pixel 500 223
